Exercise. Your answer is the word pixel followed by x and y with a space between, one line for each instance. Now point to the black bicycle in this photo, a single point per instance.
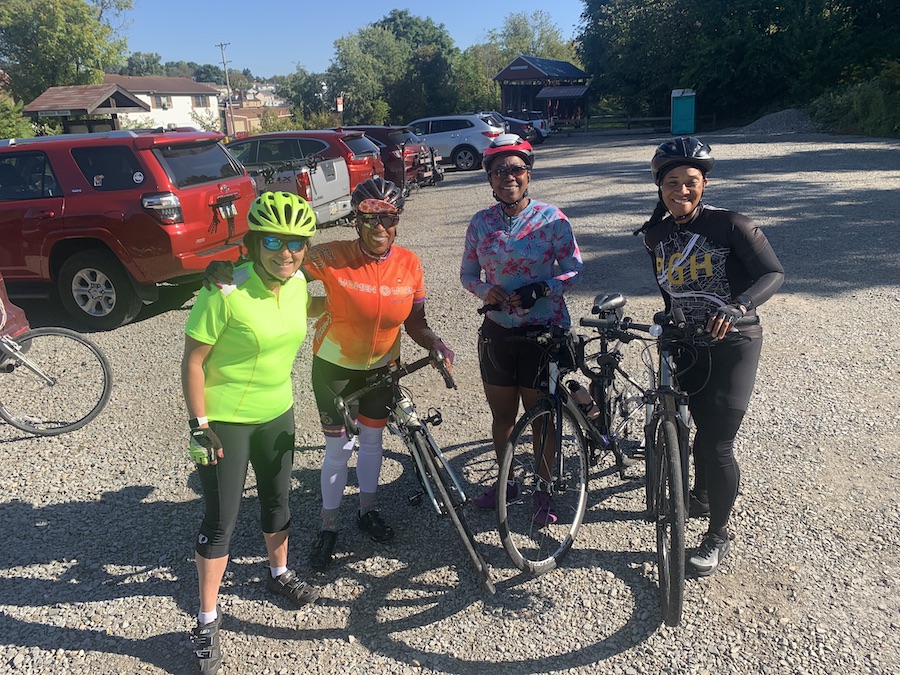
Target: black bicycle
pixel 667 449
pixel 52 380
pixel 551 445
pixel 437 480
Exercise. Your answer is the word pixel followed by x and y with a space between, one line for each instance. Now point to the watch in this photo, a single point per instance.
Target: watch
pixel 197 422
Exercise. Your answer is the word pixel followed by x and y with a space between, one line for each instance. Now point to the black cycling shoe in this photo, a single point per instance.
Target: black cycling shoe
pixel 207 650
pixel 289 585
pixel 372 524
pixel 322 550
pixel 698 507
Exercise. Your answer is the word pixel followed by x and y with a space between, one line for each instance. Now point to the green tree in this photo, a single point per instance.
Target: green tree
pixel 143 63
pixel 180 68
pixel 532 34
pixel 54 42
pixel 473 78
pixel 209 73
pixel 12 123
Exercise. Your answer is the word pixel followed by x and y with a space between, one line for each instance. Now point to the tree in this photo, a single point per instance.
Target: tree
pixel 209 73
pixel 180 68
pixel 532 35
pixel 143 63
pixel 473 78
pixel 12 123
pixel 53 43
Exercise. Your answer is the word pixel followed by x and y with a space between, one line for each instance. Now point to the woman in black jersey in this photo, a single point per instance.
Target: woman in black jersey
pixel 716 266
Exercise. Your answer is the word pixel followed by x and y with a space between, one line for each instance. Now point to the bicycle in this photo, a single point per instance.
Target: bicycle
pixel 54 380
pixel 437 480
pixel 667 449
pixel 561 434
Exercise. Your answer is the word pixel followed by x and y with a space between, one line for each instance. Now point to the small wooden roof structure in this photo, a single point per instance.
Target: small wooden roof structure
pixel 85 99
pixel 557 88
pixel 536 70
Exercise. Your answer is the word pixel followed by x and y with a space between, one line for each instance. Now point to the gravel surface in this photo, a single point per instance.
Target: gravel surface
pixel 96 569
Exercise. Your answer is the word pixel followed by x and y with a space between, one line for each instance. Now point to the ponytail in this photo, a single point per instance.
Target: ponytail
pixel 656 218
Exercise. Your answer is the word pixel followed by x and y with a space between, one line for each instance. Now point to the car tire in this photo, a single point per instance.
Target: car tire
pixel 96 290
pixel 465 158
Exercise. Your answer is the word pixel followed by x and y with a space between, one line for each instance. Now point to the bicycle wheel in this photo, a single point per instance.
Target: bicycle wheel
pixel 670 515
pixel 56 382
pixel 534 546
pixel 452 504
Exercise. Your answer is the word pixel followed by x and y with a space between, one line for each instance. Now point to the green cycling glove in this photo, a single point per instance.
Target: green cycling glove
pixel 204 446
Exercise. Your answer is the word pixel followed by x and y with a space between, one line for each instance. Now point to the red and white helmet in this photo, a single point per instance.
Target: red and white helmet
pixel 508 144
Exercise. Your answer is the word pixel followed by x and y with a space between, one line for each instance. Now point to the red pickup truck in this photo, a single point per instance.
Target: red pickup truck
pixel 101 219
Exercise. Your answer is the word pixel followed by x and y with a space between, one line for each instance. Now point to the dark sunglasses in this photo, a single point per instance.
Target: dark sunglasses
pixel 276 244
pixel 373 220
pixel 503 171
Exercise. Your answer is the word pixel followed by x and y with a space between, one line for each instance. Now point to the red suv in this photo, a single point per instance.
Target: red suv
pixel 362 156
pixel 103 218
pixel 407 159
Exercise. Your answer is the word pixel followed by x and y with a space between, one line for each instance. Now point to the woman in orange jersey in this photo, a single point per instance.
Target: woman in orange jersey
pixel 372 289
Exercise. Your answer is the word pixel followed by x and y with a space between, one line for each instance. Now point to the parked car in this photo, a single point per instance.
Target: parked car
pixel 407 160
pixel 362 156
pixel 538 119
pixel 459 139
pixel 102 218
pixel 289 161
pixel 523 128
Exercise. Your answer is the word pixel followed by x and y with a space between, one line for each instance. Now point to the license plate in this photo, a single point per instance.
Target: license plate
pixel 227 211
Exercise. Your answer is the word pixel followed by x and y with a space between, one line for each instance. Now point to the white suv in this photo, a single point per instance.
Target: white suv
pixel 538 119
pixel 459 139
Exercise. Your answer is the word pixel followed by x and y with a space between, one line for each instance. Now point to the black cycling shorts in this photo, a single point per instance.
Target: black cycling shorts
pixel 510 364
pixel 721 376
pixel 330 380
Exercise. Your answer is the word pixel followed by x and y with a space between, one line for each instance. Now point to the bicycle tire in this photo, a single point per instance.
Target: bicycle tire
pixel 534 547
pixel 446 491
pixel 670 517
pixel 79 386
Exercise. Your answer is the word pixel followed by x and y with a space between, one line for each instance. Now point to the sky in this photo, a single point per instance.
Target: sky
pixel 275 37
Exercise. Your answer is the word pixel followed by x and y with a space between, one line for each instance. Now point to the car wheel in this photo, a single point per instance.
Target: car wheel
pixel 96 290
pixel 465 158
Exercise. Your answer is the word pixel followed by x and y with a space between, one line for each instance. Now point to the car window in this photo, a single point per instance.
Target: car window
pixel 312 146
pixel 420 128
pixel 27 175
pixel 244 152
pixel 401 137
pixel 109 168
pixel 361 146
pixel 277 150
pixel 440 126
pixel 197 163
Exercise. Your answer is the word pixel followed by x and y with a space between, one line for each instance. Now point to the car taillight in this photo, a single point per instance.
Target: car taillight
pixel 164 206
pixel 304 188
pixel 490 134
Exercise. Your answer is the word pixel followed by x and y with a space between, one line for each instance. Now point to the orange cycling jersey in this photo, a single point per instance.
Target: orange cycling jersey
pixel 367 302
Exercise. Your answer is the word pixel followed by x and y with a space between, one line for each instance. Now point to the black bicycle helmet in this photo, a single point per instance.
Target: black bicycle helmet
pixel 511 144
pixel 684 150
pixel 377 189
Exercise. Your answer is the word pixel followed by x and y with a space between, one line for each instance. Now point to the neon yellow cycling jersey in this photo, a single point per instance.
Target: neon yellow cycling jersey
pixel 255 336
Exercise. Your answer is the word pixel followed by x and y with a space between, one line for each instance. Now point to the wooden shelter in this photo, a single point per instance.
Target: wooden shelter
pixel 75 103
pixel 556 88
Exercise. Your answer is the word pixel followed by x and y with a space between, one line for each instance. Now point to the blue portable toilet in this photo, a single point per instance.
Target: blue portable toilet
pixel 683 111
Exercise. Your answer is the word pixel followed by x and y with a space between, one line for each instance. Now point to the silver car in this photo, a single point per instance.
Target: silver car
pixel 459 139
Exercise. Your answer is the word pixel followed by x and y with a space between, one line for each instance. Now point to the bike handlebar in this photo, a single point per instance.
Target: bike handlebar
pixel 396 371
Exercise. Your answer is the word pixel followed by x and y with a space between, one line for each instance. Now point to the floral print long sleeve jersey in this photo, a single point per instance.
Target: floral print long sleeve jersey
pixel 536 245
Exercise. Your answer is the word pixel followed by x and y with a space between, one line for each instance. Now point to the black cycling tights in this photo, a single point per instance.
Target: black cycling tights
pixel 716 470
pixel 269 447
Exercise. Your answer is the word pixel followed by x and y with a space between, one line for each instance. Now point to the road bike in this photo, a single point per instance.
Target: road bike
pixel 667 427
pixel 437 480
pixel 52 380
pixel 554 441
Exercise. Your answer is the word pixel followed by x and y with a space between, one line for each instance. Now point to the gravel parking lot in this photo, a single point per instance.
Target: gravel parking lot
pixel 97 574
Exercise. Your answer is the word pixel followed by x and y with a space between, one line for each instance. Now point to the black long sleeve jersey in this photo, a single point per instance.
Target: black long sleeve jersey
pixel 706 263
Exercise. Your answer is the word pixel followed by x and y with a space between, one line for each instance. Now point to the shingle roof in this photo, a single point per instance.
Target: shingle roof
pixel 85 99
pixel 554 68
pixel 576 91
pixel 160 85
pixel 531 68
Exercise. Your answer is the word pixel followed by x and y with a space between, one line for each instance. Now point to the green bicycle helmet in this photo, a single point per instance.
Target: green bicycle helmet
pixel 282 213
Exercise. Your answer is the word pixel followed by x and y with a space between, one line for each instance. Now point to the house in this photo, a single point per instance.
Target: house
pixel 177 101
pixel 557 88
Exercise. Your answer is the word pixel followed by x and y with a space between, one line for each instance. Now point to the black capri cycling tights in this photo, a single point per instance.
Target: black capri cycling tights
pixel 269 447
pixel 716 470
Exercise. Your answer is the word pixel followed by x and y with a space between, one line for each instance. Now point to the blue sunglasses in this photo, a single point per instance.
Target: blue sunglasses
pixel 276 244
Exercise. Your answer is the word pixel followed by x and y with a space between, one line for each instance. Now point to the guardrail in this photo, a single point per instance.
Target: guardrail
pixel 619 121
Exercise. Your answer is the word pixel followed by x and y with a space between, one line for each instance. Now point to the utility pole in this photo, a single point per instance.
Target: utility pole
pixel 228 103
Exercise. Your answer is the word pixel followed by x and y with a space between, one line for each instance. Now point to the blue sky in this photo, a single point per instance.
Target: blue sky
pixel 272 38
